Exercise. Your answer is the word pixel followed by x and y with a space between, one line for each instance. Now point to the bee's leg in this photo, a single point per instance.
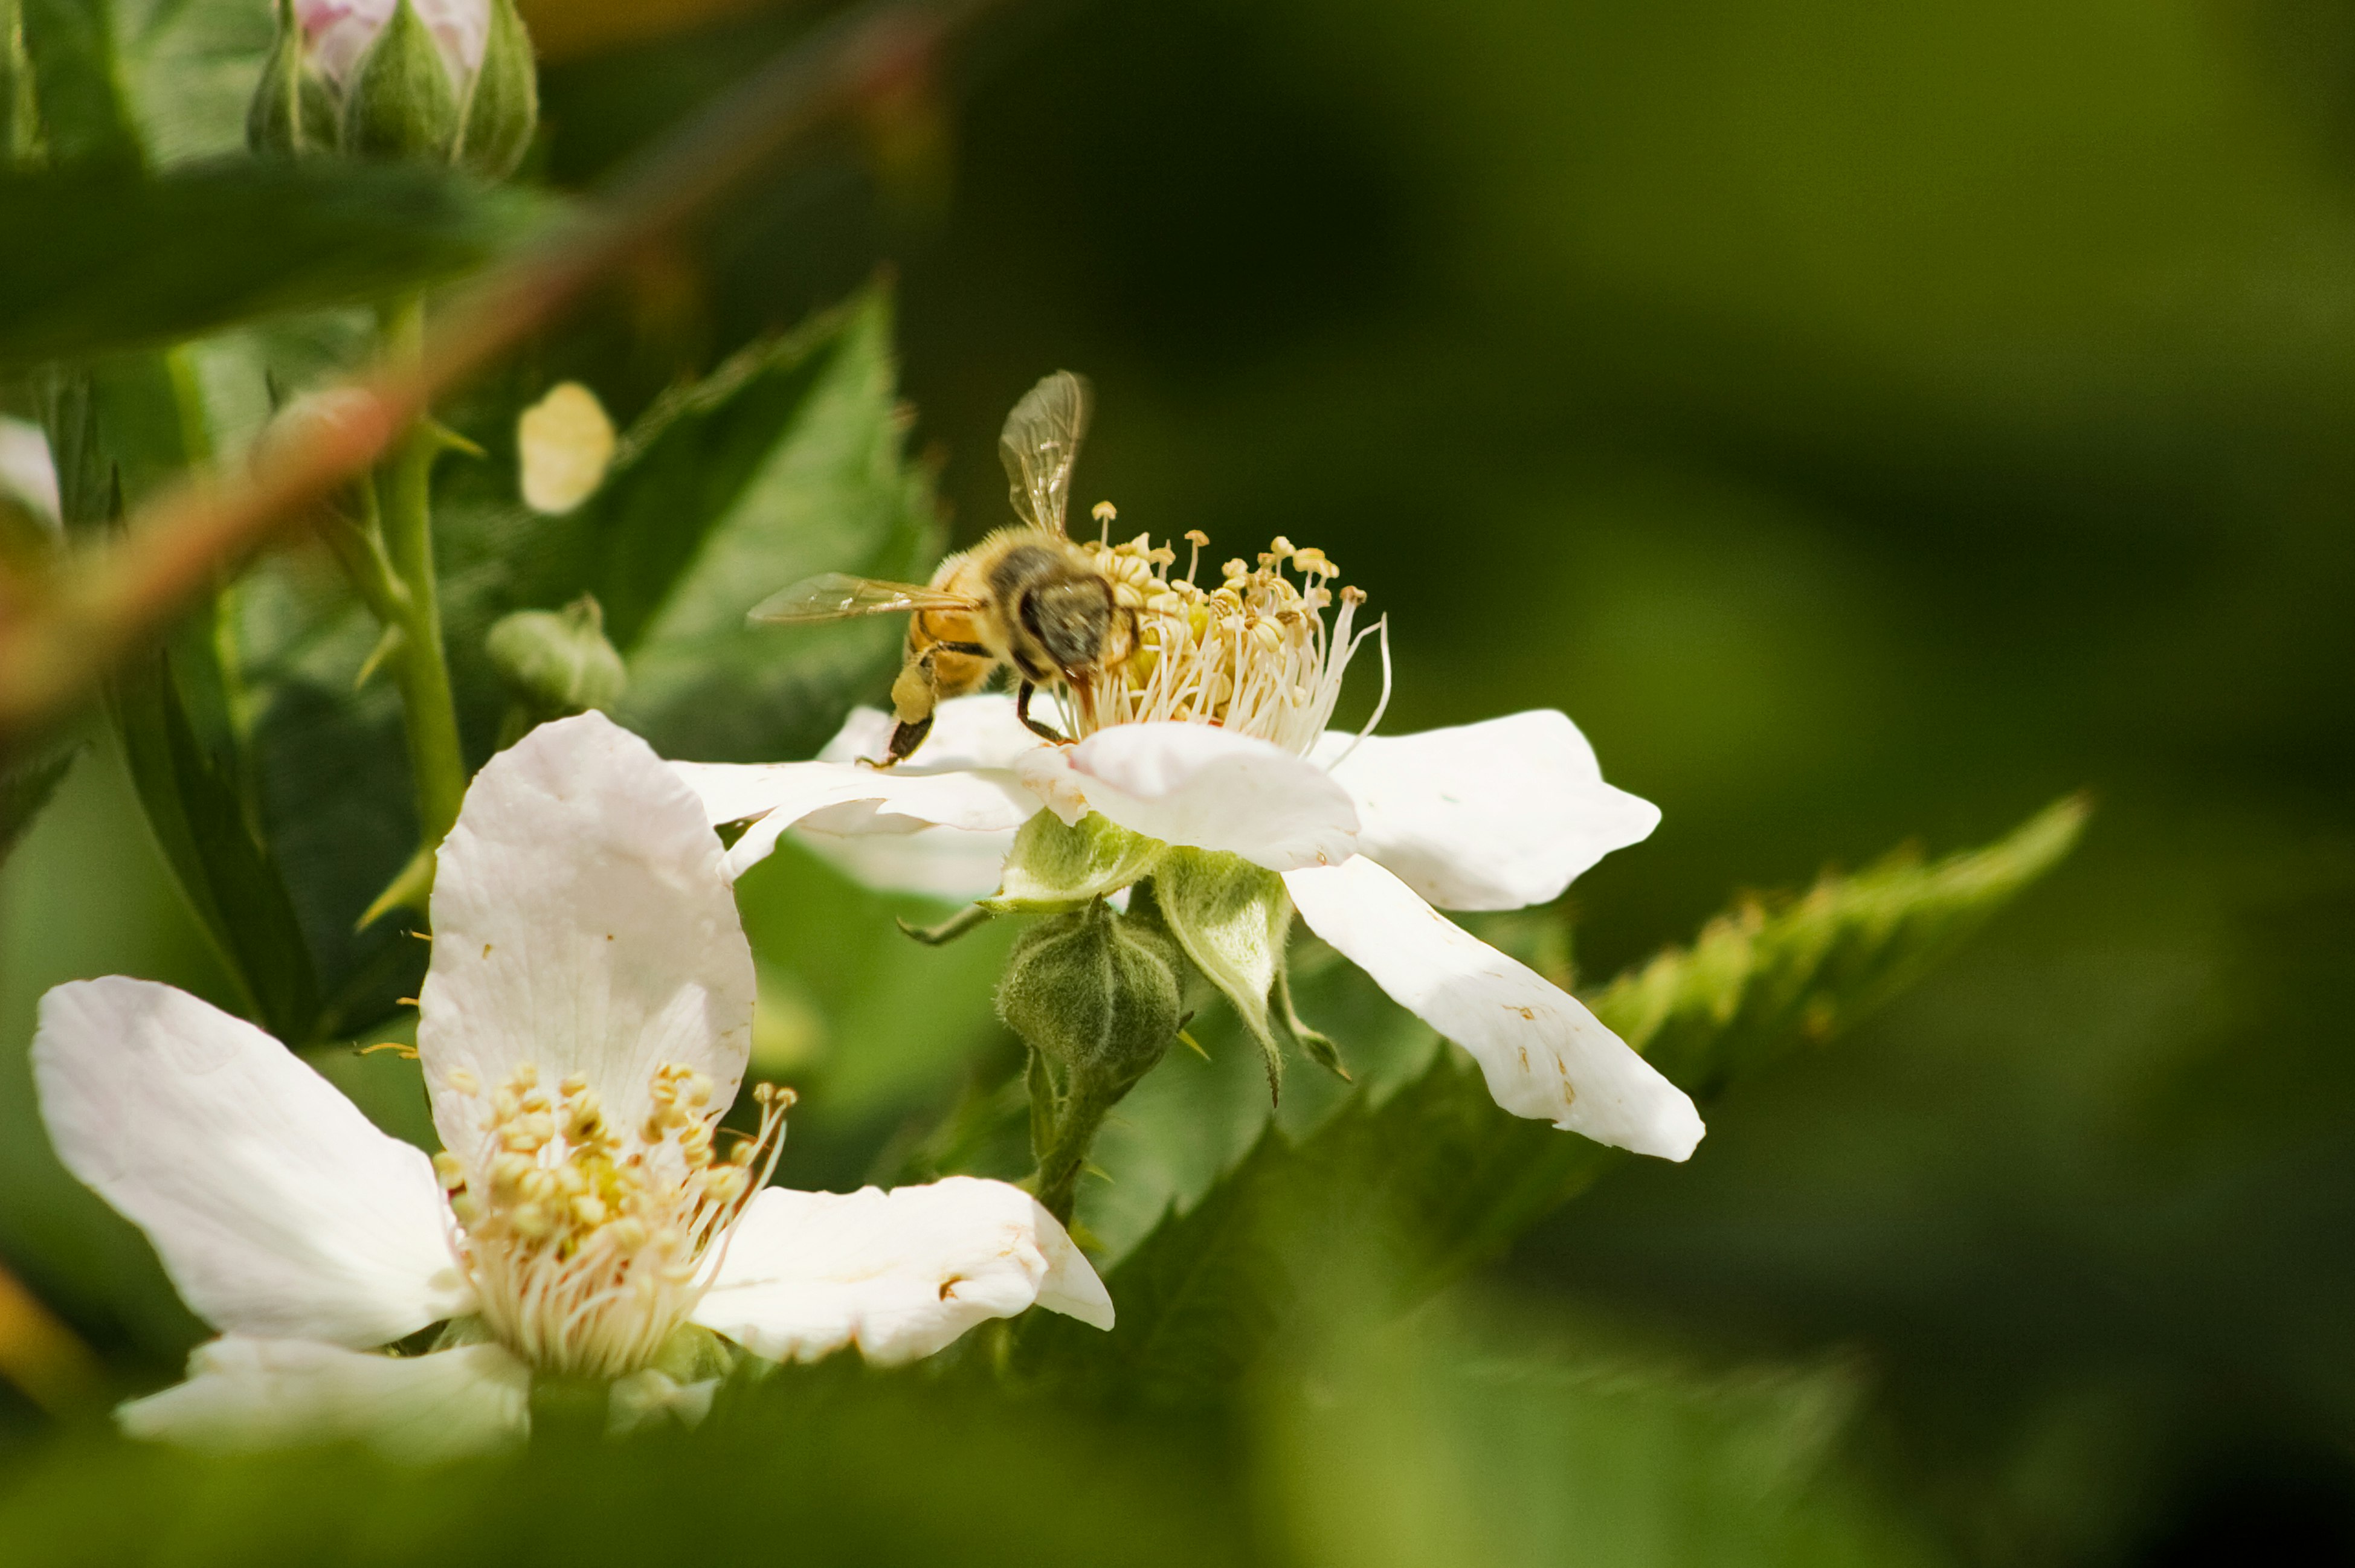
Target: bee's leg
pixel 1022 711
pixel 905 738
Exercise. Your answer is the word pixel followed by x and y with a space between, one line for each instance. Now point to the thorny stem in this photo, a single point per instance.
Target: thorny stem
pixel 422 670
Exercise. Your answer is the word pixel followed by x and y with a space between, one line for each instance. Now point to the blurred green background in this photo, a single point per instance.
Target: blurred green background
pixel 1868 422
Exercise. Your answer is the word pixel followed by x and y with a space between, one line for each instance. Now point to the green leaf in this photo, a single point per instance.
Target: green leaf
pixel 78 87
pixel 199 807
pixel 112 260
pixel 721 476
pixel 25 785
pixel 1507 1436
pixel 836 493
pixel 1446 1180
pixel 119 432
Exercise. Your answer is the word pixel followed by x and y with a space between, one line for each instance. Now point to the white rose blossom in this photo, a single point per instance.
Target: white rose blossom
pixel 1214 736
pixel 584 1022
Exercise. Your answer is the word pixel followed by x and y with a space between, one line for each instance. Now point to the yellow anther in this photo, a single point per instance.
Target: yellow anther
pixel 452 1174
pixel 1104 511
pixel 696 1089
pixel 525 1076
pixel 628 1233
pixel 462 1082
pixel 531 1222
pixel 508 1171
pixel 588 1210
pixel 503 1106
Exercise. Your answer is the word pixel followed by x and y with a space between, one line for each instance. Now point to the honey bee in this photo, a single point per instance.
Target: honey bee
pixel 1025 597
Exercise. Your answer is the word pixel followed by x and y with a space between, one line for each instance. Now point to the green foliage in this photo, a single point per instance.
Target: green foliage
pixel 78 85
pixel 1767 975
pixel 1493 1432
pixel 125 260
pixel 27 782
pixel 1447 1180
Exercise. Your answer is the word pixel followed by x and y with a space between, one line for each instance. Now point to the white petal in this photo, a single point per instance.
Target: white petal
pixel 582 922
pixel 947 863
pixel 563 443
pixel 900 1274
pixel 967 733
pixel 1498 815
pixel 856 799
pixel 1544 1054
pixel 244 1394
pixel 1196 784
pixel 277 1208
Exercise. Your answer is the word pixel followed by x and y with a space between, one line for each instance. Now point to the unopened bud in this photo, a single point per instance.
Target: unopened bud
pixel 503 109
pixel 556 662
pixel 399 102
pixel 293 110
pixel 1097 993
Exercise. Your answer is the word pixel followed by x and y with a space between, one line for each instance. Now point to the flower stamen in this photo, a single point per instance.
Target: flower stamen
pixel 588 1244
pixel 1253 654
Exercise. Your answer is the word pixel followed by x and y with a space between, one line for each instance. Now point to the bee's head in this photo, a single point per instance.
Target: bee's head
pixel 1071 617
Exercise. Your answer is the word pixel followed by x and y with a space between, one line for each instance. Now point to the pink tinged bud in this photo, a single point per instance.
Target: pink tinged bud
pixel 341 30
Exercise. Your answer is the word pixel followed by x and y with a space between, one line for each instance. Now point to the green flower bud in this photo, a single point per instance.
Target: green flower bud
pixel 293 110
pixel 556 662
pixel 1097 994
pixel 503 108
pixel 398 102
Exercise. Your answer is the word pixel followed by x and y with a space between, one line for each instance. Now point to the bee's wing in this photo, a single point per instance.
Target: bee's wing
pixel 837 596
pixel 1041 443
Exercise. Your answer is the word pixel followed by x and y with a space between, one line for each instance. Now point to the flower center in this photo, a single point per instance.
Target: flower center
pixel 1253 654
pixel 590 1244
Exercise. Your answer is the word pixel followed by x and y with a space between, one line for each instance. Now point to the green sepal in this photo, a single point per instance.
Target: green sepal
pixel 694 1354
pixel 503 107
pixel 292 111
pixel 1053 869
pixel 1316 1045
pixel 400 102
pixel 1231 918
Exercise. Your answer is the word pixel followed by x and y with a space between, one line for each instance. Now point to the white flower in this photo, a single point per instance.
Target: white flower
pixel 1214 736
pixel 341 30
pixel 584 1024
